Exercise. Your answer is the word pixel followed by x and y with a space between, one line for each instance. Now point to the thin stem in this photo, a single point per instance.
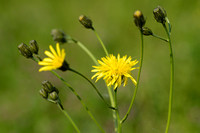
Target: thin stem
pixel 138 80
pixel 110 93
pixel 34 59
pixel 119 127
pixel 102 44
pixel 38 57
pixel 79 98
pixel 86 50
pixel 70 119
pixel 171 79
pixel 156 36
pixel 169 25
pixel 92 86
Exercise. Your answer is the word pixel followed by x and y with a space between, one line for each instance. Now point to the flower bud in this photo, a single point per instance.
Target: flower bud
pixel 47 86
pixel 53 96
pixel 43 93
pixel 25 50
pixel 86 22
pixel 160 14
pixel 34 46
pixel 139 19
pixel 146 31
pixel 58 36
pixel 56 90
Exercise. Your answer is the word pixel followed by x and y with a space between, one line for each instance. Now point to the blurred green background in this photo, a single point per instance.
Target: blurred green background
pixel 22 110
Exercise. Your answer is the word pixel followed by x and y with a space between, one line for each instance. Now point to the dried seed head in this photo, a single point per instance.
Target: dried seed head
pixel 86 22
pixel 25 50
pixel 160 14
pixel 33 46
pixel 139 19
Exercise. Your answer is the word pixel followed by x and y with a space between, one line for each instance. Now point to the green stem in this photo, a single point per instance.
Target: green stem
pixel 110 93
pixel 102 44
pixel 35 59
pixel 171 79
pixel 92 86
pixel 169 25
pixel 70 119
pixel 156 36
pixel 38 57
pixel 79 98
pixel 119 127
pixel 138 80
pixel 86 50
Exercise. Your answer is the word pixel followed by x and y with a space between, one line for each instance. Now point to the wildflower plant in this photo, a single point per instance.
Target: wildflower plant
pixel 114 70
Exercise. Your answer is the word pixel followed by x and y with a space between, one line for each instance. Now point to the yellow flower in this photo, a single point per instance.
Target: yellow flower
pixel 54 60
pixel 115 71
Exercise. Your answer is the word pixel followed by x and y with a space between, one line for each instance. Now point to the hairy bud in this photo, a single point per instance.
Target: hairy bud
pixel 86 22
pixel 25 50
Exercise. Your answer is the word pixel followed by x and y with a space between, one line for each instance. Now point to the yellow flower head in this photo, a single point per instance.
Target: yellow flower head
pixel 54 60
pixel 115 71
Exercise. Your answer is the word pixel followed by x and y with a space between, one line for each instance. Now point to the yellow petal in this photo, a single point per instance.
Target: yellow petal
pixel 53 51
pixel 134 81
pixel 125 81
pixel 63 54
pixel 47 60
pixel 95 70
pixel 49 54
pixel 58 49
pixel 115 86
pixel 44 63
pixel 46 68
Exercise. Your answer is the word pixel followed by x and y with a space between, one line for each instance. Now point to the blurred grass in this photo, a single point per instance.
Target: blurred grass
pixel 23 110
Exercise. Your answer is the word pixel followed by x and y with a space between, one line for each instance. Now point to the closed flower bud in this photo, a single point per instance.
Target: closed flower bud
pixel 53 96
pixel 146 31
pixel 160 14
pixel 86 22
pixel 139 19
pixel 34 46
pixel 56 90
pixel 58 36
pixel 43 93
pixel 47 86
pixel 25 50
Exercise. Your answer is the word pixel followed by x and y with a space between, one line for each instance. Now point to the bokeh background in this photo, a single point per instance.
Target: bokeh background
pixel 22 110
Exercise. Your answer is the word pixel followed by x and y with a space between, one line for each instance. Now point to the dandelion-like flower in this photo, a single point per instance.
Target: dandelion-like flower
pixel 55 60
pixel 115 71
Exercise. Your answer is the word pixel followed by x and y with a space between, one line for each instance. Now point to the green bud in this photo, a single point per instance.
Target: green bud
pixel 43 93
pixel 34 46
pixel 146 31
pixel 160 14
pixel 58 36
pixel 53 96
pixel 65 66
pixel 47 86
pixel 56 90
pixel 25 50
pixel 86 22
pixel 139 19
